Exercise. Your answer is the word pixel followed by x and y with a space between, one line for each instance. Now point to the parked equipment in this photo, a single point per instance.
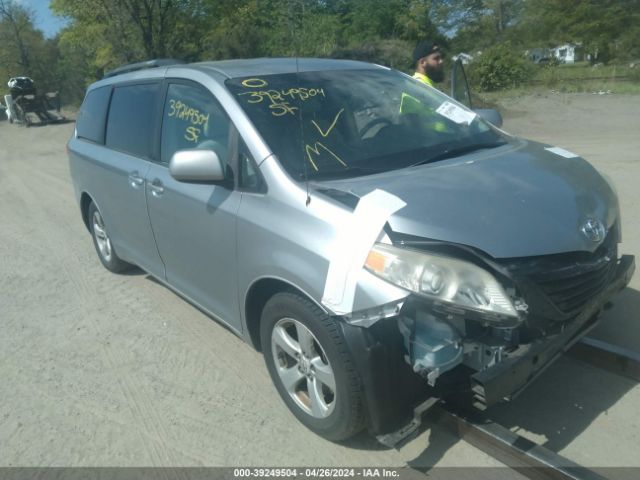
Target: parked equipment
pixel 24 104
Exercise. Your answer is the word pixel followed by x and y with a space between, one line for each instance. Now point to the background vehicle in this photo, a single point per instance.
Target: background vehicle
pixel 24 103
pixel 376 240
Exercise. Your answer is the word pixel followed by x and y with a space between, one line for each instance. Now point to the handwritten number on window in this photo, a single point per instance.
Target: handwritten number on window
pixel 187 113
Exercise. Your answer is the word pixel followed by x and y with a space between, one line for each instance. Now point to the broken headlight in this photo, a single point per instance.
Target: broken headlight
pixel 440 278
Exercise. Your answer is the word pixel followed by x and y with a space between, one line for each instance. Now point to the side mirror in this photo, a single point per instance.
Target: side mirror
pixel 490 115
pixel 196 166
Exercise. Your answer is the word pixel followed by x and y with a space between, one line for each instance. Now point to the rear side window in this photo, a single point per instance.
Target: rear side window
pixel 93 115
pixel 132 117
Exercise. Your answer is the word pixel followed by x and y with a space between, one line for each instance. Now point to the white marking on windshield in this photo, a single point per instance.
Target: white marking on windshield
pixel 455 113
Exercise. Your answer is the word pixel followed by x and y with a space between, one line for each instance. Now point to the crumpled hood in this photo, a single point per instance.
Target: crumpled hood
pixel 518 200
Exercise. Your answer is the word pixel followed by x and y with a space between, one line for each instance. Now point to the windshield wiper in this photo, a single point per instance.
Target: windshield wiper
pixel 457 151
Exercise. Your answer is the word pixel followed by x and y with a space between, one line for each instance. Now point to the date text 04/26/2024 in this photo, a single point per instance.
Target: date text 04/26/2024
pixel 316 472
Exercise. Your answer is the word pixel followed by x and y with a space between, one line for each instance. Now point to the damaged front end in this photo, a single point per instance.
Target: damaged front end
pixel 491 326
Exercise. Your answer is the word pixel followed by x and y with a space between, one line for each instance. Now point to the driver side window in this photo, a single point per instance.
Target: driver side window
pixel 193 118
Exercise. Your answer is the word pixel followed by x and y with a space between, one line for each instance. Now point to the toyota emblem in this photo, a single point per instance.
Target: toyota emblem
pixel 593 230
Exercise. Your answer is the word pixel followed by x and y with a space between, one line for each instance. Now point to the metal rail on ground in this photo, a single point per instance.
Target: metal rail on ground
pixel 526 457
pixel 521 454
pixel 609 357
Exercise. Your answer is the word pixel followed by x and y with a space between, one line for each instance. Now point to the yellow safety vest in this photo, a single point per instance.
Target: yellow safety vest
pixel 409 104
pixel 423 78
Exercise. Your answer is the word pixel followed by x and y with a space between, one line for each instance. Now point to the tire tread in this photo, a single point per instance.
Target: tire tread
pixel 356 416
pixel 116 264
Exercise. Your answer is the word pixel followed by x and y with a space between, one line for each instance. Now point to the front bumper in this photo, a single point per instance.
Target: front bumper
pixel 392 388
pixel 508 378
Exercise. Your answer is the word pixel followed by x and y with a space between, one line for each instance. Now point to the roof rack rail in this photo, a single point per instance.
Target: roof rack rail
pixel 132 67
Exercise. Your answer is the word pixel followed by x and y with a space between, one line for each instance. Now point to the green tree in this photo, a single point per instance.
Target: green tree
pixel 602 26
pixel 16 30
pixel 123 31
pixel 499 68
pixel 368 20
pixel 23 49
pixel 478 24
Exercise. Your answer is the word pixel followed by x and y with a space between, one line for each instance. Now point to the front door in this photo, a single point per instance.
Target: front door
pixel 459 85
pixel 195 223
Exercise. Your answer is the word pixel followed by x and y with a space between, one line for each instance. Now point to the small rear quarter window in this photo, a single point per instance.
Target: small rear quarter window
pixel 93 115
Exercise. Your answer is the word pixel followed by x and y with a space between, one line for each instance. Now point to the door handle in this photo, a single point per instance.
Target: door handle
pixel 135 180
pixel 156 187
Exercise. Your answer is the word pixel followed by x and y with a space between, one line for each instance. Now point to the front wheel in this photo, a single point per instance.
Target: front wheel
pixel 311 367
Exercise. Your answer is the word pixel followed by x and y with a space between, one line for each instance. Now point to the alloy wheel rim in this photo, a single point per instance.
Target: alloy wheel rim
pixel 102 239
pixel 303 368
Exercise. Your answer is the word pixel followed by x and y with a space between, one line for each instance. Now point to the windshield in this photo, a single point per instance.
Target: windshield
pixel 341 123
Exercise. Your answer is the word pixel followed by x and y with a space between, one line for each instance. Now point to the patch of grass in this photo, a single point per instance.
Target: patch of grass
pixel 503 97
pixel 576 78
pixel 496 99
pixel 554 76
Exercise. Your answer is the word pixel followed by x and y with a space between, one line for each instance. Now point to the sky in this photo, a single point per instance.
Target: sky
pixel 45 20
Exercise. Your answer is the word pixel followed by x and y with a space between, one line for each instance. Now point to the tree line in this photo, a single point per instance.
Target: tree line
pixel 103 34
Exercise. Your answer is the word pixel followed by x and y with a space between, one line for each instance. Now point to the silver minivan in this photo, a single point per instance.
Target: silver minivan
pixel 378 241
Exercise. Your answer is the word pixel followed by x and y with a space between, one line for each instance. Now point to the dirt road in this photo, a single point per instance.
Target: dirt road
pixel 99 369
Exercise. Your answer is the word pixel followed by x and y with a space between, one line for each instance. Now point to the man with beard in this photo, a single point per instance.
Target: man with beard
pixel 428 63
pixel 429 69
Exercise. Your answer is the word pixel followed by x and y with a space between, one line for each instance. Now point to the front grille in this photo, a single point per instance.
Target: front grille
pixel 570 280
pixel 570 293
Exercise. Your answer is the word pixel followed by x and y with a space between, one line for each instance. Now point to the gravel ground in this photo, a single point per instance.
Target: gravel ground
pixel 107 370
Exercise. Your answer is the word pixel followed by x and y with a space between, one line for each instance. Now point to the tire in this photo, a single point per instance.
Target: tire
pixel 319 363
pixel 102 242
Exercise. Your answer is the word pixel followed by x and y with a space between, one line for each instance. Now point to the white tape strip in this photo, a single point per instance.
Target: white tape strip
pixel 562 152
pixel 354 241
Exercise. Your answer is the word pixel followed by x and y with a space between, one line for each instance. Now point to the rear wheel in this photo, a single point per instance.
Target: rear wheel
pixel 102 242
pixel 311 367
